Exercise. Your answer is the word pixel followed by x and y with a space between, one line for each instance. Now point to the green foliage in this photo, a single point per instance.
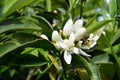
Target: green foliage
pixel 90 67
pixel 25 55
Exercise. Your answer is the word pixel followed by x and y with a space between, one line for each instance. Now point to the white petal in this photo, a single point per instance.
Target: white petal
pixel 78 24
pixel 79 44
pixel 68 27
pixel 57 45
pixel 44 36
pixel 96 37
pixel 85 47
pixel 75 50
pixel 72 38
pixel 62 44
pixel 83 53
pixel 55 36
pixel 67 57
pixel 93 44
pixel 80 33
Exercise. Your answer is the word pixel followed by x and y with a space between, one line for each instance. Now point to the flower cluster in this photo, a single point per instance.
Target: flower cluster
pixel 65 40
pixel 73 38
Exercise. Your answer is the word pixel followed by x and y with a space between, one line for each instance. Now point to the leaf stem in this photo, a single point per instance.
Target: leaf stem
pixel 63 66
pixel 30 74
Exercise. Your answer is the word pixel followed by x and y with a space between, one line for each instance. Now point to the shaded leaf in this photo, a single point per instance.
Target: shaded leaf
pixel 45 25
pixel 7 47
pixel 24 60
pixel 89 65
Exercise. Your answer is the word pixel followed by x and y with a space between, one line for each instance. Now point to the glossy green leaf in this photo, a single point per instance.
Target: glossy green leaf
pixel 91 20
pixel 97 25
pixel 29 60
pixel 112 7
pixel 24 60
pixel 89 65
pixel 30 50
pixel 116 36
pixel 102 59
pixel 45 26
pixel 22 40
pixel 7 47
pixel 17 25
pixel 11 6
pixel 71 3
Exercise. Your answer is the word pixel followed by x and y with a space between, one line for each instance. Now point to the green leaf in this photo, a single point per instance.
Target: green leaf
pixel 109 70
pixel 48 5
pixel 17 25
pixel 22 40
pixel 45 25
pixel 97 25
pixel 24 60
pixel 102 59
pixel 116 36
pixel 112 51
pixel 30 50
pixel 7 47
pixel 91 20
pixel 11 6
pixel 29 60
pixel 71 3
pixel 112 7
pixel 89 65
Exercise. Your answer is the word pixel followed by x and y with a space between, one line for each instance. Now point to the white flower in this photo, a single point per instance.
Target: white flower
pixel 80 33
pixel 57 40
pixel 92 40
pixel 74 32
pixel 67 45
pixel 78 24
pixel 76 28
pixel 68 28
pixel 55 36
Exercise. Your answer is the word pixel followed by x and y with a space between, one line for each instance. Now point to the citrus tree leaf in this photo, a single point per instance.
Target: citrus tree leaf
pixel 22 40
pixel 17 25
pixel 11 6
pixel 101 59
pixel 45 26
pixel 23 60
pixel 116 36
pixel 89 65
pixel 97 25
pixel 112 7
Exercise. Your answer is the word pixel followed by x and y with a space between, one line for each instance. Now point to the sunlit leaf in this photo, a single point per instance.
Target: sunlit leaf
pixel 97 25
pixel 17 25
pixel 101 59
pixel 112 7
pixel 116 36
pixel 11 6
pixel 22 40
